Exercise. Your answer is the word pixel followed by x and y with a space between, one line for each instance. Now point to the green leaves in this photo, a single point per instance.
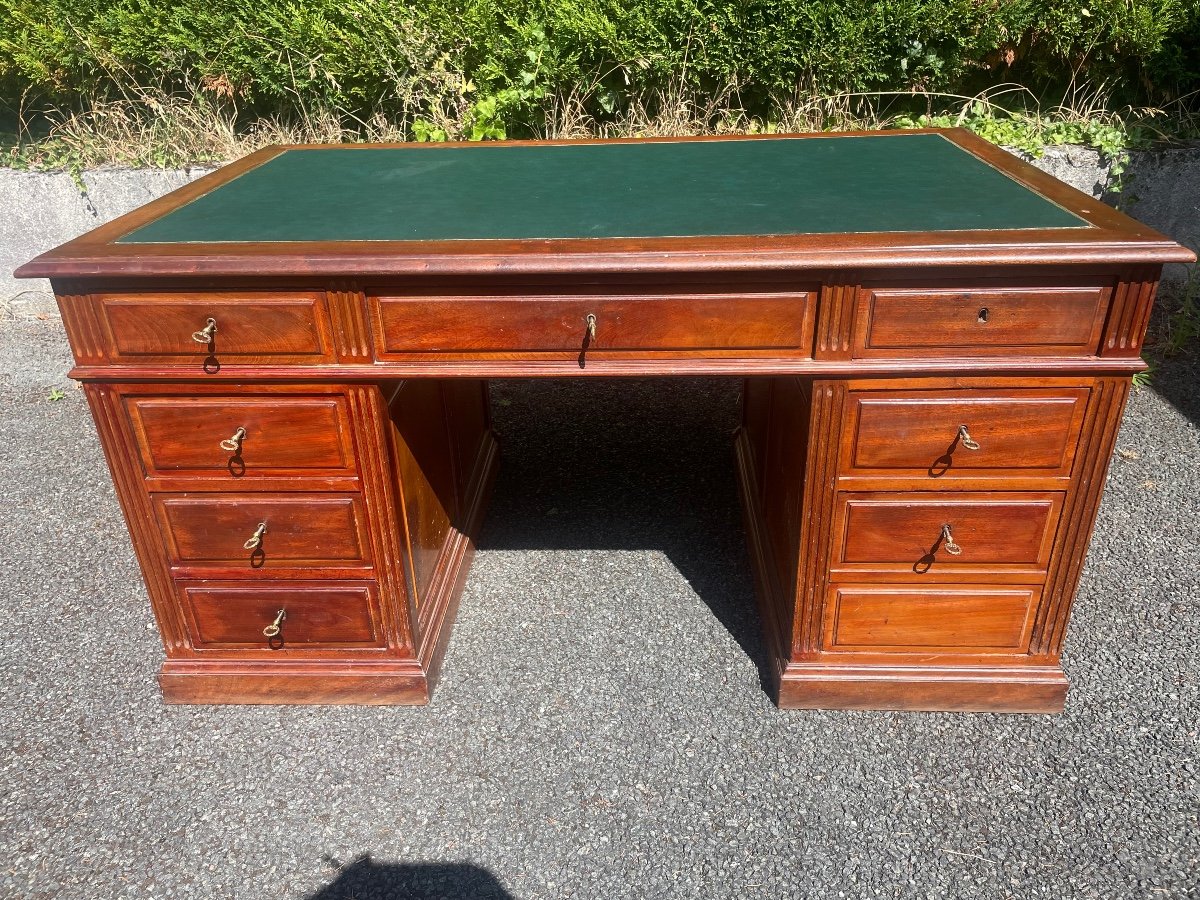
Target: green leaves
pixel 487 69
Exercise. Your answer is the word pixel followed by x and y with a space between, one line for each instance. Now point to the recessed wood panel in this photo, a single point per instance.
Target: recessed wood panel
pixel 250 328
pixel 896 619
pixel 902 534
pixel 983 321
pixel 309 530
pixel 180 435
pixel 526 324
pixel 1018 431
pixel 423 464
pixel 233 616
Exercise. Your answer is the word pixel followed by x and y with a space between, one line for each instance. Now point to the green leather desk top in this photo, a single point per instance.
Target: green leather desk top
pixel 781 186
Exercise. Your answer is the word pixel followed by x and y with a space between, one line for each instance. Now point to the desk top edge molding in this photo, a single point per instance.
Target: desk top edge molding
pixel 1112 237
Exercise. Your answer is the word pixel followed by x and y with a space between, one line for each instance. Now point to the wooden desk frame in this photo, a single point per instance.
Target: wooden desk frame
pixel 1039 329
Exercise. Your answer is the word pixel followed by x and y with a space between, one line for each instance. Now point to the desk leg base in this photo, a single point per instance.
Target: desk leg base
pixel 1026 690
pixel 373 684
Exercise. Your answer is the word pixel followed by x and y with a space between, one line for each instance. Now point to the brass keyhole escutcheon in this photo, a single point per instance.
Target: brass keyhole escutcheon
pixel 591 327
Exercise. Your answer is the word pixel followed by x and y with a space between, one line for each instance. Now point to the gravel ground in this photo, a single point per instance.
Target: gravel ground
pixel 600 729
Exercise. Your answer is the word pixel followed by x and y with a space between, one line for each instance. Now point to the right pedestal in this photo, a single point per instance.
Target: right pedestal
pixel 917 542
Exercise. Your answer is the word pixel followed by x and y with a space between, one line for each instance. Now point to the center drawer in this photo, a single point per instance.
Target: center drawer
pixel 248 532
pixel 523 324
pixel 930 535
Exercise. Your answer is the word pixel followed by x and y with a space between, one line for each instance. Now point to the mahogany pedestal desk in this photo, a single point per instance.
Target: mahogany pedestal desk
pixel 287 364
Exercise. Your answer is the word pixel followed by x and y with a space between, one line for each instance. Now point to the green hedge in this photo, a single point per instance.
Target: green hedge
pixel 505 61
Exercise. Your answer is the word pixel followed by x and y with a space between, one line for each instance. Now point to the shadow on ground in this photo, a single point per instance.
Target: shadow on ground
pixel 1177 380
pixel 648 466
pixel 364 878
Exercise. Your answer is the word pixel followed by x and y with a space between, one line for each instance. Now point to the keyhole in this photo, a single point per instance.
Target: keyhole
pixel 983 315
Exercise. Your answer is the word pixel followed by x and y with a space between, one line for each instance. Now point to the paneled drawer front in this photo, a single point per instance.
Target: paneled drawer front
pixel 242 436
pixel 970 433
pixel 301 530
pixel 468 325
pixel 916 534
pixel 233 616
pixel 888 619
pixel 980 321
pixel 250 327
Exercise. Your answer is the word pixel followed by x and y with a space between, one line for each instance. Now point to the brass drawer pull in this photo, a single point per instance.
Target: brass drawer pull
pixel 948 542
pixel 234 443
pixel 591 327
pixel 965 437
pixel 275 627
pixel 255 540
pixel 205 334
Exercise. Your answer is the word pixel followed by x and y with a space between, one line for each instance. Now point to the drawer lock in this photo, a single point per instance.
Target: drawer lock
pixel 234 443
pixel 948 542
pixel 275 627
pixel 591 327
pixel 206 334
pixel 965 437
pixel 255 540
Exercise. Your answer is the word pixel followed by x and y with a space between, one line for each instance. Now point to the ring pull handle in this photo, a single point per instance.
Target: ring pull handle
pixel 233 443
pixel 948 542
pixel 205 334
pixel 274 628
pixel 591 327
pixel 965 437
pixel 255 540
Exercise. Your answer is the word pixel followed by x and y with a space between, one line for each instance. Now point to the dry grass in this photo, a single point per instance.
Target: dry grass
pixel 150 127
pixel 159 129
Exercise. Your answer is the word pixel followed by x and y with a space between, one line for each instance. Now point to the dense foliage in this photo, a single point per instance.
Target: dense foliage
pixel 499 63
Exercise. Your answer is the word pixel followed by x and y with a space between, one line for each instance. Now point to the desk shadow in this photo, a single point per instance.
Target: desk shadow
pixel 1177 380
pixel 629 464
pixel 412 881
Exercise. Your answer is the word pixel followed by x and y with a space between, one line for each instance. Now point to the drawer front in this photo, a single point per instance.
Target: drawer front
pixel 316 616
pixel 888 619
pixel 480 325
pixel 1059 321
pixel 949 434
pixel 251 327
pixel 301 530
pixel 916 535
pixel 242 436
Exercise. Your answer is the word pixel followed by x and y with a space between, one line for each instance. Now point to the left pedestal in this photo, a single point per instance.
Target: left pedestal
pixel 301 543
